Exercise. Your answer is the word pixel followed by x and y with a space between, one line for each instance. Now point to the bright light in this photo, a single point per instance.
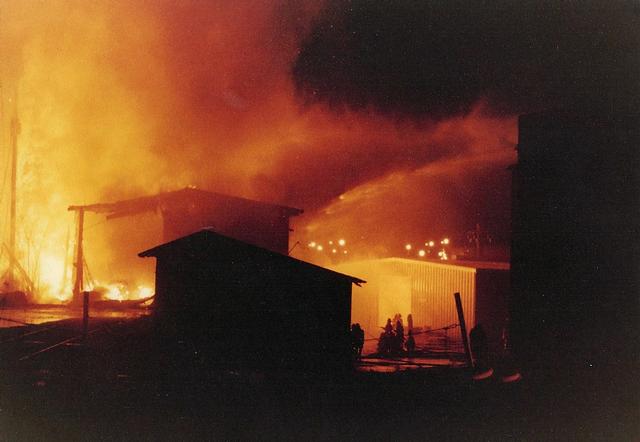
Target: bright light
pixel 341 242
pixel 319 248
pixel 445 241
pixel 143 292
pixel 431 243
pixel 115 292
pixel 330 243
pixel 312 244
pixel 408 247
pixel 422 253
pixel 345 252
pixel 334 251
pixel 440 254
pixel 51 271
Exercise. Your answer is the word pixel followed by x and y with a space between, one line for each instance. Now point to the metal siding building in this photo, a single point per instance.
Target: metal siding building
pixel 425 290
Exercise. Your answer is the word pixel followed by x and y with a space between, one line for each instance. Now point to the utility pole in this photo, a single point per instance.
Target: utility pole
pixel 15 131
pixel 477 238
pixel 463 329
pixel 79 281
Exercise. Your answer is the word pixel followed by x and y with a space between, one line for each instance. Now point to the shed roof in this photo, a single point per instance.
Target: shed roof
pixel 467 265
pixel 177 198
pixel 207 239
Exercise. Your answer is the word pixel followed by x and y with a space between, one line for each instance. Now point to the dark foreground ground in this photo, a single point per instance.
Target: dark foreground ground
pixel 124 383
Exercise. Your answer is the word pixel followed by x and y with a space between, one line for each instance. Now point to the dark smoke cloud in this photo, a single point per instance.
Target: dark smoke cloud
pixel 437 58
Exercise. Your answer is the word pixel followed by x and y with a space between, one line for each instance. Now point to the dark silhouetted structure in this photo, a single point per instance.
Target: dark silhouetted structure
pixel 575 267
pixel 252 304
pixel 479 346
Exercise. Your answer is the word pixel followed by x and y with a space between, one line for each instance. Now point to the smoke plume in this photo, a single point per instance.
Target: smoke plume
pixel 385 121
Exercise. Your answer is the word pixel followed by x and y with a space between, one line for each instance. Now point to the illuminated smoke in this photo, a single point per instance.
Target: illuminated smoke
pixel 123 98
pixel 430 199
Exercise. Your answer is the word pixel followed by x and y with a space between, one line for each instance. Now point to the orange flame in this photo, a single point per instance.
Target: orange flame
pixel 122 99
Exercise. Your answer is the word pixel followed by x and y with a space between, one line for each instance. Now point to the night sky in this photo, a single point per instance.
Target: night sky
pixel 435 59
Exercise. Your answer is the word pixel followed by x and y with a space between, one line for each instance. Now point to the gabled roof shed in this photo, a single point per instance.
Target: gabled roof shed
pixel 253 302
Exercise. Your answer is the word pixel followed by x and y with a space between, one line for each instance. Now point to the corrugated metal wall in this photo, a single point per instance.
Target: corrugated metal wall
pixel 432 289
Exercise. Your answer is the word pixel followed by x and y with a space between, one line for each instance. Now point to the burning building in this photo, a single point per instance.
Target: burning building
pixel 251 302
pixel 179 213
pixel 188 210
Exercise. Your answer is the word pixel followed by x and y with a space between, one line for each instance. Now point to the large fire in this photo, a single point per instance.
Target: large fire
pixel 121 292
pixel 123 99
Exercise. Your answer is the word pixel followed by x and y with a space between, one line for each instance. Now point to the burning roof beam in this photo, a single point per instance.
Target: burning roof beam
pixel 178 197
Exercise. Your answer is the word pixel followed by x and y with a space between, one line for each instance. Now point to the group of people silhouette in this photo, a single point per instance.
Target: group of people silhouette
pixel 392 339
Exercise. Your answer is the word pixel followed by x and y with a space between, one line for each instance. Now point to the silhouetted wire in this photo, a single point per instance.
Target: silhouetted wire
pixel 448 327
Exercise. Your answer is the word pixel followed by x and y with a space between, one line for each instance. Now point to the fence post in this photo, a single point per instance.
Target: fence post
pixel 85 313
pixel 463 329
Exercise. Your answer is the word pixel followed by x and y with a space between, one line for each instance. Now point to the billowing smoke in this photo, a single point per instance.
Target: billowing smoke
pixel 384 121
pixel 440 181
pixel 435 59
pixel 120 98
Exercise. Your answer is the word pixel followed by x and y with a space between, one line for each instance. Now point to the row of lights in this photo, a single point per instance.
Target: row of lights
pixel 336 247
pixel 442 254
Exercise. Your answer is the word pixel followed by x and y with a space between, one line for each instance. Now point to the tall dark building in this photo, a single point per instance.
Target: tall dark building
pixel 575 267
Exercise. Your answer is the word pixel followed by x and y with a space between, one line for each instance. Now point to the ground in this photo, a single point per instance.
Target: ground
pixel 126 382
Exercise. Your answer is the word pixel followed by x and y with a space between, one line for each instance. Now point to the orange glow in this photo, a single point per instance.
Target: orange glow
pixel 122 99
pixel 407 202
pixel 51 278
pixel 120 291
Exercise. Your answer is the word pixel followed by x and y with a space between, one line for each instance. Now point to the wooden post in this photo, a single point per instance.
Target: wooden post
pixel 85 313
pixel 79 283
pixel 463 329
pixel 15 131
